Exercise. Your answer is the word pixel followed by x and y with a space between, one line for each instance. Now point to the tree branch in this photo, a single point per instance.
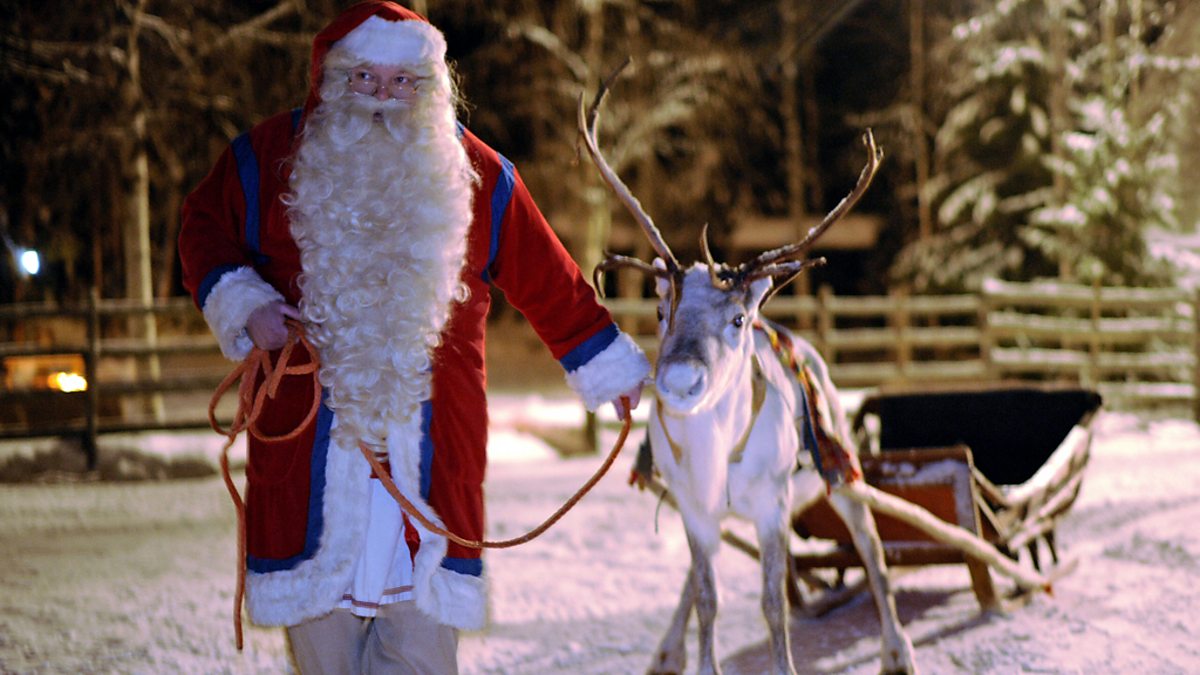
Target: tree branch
pixel 254 29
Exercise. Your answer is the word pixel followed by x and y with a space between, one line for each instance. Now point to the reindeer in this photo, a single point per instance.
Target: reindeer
pixel 729 419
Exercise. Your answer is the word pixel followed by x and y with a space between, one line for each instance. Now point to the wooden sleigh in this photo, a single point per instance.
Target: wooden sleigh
pixel 1004 462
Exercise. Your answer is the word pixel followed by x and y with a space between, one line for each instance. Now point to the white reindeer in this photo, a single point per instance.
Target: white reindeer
pixel 728 423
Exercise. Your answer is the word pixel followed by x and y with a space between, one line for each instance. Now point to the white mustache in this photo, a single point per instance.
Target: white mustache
pixel 351 119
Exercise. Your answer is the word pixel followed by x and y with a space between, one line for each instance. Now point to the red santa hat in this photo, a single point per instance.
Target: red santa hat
pixel 378 32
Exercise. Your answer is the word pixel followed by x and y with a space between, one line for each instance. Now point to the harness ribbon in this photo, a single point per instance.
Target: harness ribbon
pixel 834 461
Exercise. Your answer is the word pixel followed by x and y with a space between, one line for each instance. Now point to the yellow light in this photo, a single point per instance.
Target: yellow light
pixel 67 382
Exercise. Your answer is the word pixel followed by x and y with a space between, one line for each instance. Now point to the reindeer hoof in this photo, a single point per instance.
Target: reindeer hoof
pixel 664 670
pixel 667 664
pixel 898 666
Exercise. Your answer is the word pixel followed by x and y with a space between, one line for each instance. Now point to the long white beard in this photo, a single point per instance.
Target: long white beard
pixel 380 208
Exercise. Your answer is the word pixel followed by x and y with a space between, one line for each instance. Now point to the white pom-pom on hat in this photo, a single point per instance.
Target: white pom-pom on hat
pixel 395 43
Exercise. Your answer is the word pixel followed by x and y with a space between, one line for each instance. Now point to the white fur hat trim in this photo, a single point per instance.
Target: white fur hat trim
pixel 399 43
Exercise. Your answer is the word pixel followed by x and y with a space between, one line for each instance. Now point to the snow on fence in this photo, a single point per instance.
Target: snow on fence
pixel 115 365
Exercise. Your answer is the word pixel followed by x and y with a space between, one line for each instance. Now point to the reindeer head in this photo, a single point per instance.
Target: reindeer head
pixel 707 311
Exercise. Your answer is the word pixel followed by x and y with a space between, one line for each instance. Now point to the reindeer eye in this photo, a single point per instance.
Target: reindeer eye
pixel 739 321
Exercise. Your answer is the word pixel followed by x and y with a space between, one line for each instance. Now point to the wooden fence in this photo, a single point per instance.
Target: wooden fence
pixel 1139 347
pixel 109 366
pixel 154 367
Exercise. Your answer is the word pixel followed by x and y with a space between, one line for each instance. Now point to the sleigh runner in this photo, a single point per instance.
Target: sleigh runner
pixel 1004 462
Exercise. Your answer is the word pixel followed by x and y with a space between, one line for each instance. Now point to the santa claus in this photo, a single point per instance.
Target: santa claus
pixel 378 221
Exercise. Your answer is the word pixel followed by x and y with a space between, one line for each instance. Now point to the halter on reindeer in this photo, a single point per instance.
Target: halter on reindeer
pixel 731 417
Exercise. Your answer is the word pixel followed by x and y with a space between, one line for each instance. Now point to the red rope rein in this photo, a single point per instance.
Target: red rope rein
pixel 251 398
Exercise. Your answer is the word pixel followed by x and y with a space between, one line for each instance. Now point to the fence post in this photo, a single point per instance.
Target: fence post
pixel 1094 377
pixel 987 340
pixel 900 319
pixel 90 363
pixel 825 324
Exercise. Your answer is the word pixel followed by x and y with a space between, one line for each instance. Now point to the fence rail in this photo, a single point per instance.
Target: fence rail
pixel 145 367
pixel 153 366
pixel 1138 346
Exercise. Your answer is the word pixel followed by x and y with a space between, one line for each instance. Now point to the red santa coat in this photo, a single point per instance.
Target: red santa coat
pixel 306 498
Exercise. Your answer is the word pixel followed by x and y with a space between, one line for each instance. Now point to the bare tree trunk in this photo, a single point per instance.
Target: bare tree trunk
pixel 1058 106
pixel 790 111
pixel 599 220
pixel 136 229
pixel 916 38
pixel 1135 31
pixel 173 199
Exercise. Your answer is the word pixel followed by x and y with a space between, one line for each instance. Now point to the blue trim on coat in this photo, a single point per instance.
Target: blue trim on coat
pixel 210 281
pixel 501 197
pixel 247 167
pixel 469 566
pixel 426 449
pixel 589 348
pixel 316 499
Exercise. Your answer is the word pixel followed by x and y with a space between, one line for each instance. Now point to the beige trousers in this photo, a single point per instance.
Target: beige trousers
pixel 401 640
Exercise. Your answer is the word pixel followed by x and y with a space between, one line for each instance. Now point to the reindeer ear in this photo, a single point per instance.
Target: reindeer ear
pixel 757 291
pixel 661 285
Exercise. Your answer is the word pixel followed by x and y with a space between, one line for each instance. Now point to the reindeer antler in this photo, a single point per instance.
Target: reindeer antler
pixel 783 260
pixel 587 129
pixel 715 269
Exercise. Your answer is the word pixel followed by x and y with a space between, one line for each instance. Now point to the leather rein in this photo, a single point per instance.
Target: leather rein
pixel 249 408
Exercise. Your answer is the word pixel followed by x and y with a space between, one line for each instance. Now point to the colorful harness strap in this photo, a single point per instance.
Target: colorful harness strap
pixel 836 464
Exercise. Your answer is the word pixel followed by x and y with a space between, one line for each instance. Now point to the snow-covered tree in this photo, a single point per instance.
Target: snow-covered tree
pixel 1042 166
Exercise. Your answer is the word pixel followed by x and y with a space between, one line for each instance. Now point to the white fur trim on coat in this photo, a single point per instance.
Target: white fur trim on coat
pixel 458 600
pixel 315 586
pixel 234 297
pixel 612 372
pixel 450 598
pixel 400 43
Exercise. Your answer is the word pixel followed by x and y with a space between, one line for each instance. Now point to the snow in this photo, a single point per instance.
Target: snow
pixel 114 576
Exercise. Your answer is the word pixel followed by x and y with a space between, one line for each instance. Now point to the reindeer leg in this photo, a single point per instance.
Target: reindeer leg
pixel 671 656
pixel 772 540
pixel 704 582
pixel 897 652
pixel 700 592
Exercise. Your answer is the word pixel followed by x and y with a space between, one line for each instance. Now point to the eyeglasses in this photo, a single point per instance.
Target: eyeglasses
pixel 367 83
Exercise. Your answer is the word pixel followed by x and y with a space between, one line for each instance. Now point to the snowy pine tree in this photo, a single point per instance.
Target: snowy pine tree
pixel 1041 168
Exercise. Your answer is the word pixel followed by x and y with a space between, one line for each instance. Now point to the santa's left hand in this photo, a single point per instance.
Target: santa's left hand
pixel 634 395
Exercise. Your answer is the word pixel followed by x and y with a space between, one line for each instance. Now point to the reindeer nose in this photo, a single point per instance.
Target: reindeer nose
pixel 682 379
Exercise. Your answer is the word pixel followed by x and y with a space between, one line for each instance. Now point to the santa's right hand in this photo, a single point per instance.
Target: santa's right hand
pixel 267 326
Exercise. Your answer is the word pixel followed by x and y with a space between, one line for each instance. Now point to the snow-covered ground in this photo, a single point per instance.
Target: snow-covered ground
pixel 137 576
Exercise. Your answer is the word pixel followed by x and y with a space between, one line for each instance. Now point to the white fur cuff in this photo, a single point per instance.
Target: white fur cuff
pixel 234 297
pixel 454 599
pixel 612 372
